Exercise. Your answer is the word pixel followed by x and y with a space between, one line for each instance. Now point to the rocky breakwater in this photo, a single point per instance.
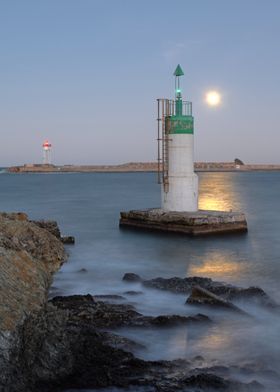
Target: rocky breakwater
pixel 29 256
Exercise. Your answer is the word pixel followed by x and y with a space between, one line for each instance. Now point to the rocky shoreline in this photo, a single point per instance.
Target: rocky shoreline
pixel 74 341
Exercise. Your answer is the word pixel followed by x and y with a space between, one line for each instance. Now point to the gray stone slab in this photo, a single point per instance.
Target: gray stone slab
pixel 192 223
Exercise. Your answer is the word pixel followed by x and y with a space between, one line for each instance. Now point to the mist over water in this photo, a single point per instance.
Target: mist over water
pixel 87 205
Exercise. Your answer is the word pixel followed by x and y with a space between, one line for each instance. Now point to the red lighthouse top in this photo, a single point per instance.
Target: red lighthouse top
pixel 46 144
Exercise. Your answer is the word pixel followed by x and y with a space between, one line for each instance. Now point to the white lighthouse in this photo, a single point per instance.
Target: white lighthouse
pixel 176 152
pixel 46 152
pixel 179 184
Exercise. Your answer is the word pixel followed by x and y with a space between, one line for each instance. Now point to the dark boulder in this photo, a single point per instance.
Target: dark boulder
pixel 83 270
pixel 172 320
pixel 108 297
pixel 131 277
pixel 200 296
pixel 132 292
pixel 177 285
pixel 68 240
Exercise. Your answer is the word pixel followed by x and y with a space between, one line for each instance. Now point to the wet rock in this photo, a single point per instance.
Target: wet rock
pixel 100 314
pixel 120 342
pixel 200 296
pixel 131 277
pixel 62 347
pixel 253 294
pixel 172 320
pixel 132 292
pixel 177 285
pixel 83 270
pixel 206 381
pixel 69 240
pixel 61 352
pixel 249 372
pixel 108 297
pixel 168 376
pixel 218 370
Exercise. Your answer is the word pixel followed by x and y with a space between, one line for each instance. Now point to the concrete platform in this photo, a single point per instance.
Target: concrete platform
pixel 190 223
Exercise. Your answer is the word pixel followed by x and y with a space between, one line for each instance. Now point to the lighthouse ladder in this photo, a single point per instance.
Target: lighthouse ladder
pixel 165 110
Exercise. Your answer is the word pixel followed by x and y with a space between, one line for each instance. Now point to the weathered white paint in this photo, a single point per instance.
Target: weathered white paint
pixel 183 182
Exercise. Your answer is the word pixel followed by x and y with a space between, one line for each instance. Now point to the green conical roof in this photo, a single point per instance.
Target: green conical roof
pixel 178 71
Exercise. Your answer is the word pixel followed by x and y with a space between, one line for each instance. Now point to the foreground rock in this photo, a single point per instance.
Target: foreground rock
pixel 60 351
pixel 29 255
pixel 61 344
pixel 64 346
pixel 225 291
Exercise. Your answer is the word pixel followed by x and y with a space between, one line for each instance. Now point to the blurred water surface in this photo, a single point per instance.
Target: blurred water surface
pixel 87 206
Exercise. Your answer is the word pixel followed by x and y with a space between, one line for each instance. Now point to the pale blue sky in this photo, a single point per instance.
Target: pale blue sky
pixel 86 73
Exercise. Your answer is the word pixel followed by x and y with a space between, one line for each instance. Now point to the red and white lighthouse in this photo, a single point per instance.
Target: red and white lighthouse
pixel 46 152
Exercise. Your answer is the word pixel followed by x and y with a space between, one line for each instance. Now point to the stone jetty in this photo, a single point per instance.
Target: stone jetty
pixel 190 223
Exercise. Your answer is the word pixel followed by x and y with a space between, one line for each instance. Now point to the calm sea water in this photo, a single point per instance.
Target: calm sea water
pixel 87 206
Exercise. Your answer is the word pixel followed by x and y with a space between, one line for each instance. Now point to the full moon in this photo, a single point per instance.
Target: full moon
pixel 213 98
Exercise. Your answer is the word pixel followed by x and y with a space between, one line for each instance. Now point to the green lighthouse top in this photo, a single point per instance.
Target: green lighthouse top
pixel 178 71
pixel 181 120
pixel 179 105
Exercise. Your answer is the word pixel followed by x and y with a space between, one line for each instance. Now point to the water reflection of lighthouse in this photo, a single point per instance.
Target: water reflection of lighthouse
pixel 175 152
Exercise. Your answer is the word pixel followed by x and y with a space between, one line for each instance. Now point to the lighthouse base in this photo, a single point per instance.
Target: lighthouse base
pixel 191 223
